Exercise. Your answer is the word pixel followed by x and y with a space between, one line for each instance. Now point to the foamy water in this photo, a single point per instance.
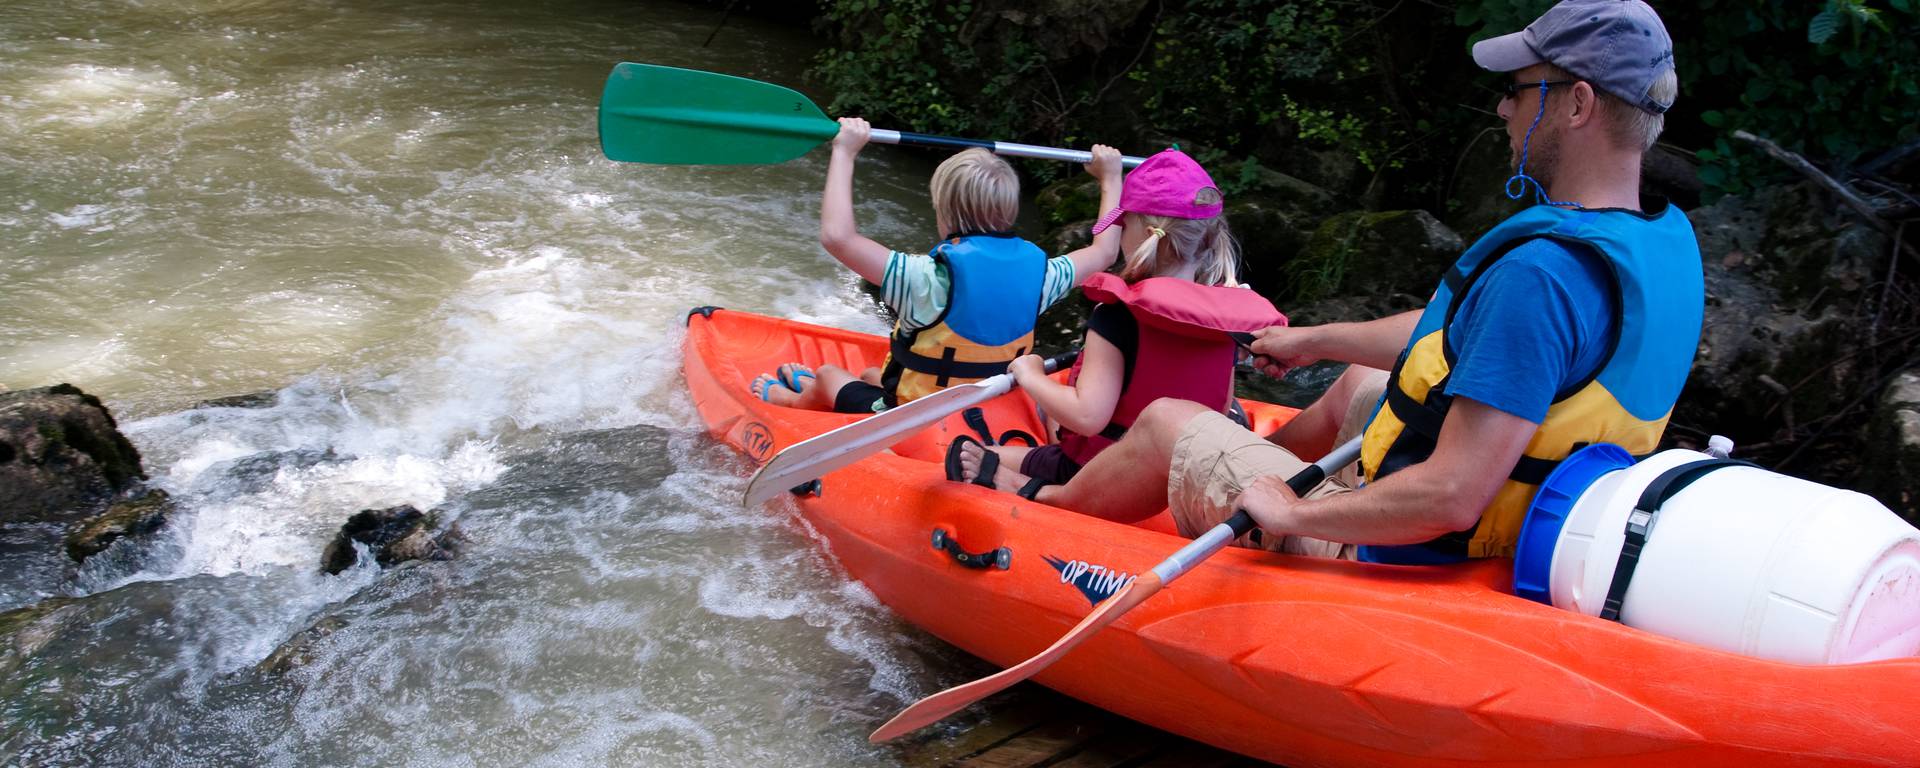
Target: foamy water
pixel 395 220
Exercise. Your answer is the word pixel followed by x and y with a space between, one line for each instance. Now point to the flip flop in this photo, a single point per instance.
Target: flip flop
pixel 762 387
pixel 989 463
pixel 791 374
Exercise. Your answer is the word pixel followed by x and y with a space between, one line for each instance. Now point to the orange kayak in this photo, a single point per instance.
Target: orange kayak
pixel 1298 661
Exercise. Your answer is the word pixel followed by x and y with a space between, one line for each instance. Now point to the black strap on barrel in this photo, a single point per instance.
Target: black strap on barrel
pixel 1640 523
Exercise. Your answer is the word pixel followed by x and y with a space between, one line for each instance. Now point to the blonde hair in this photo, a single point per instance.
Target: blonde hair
pixel 1205 243
pixel 974 191
pixel 1636 127
pixel 1627 124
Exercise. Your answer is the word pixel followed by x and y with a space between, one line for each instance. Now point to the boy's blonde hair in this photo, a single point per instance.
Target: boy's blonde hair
pixel 1205 243
pixel 974 191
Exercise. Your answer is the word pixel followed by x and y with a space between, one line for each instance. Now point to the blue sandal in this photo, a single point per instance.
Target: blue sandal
pixel 791 374
pixel 763 385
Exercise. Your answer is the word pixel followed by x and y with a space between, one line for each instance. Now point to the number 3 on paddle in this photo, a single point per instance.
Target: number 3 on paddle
pixel 673 116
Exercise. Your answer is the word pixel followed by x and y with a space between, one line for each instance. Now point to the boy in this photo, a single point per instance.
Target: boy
pixel 966 309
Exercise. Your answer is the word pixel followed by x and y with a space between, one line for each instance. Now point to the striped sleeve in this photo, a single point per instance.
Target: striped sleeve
pixel 1059 281
pixel 914 287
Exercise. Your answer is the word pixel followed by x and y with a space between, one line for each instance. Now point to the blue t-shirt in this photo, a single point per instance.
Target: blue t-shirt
pixel 1537 322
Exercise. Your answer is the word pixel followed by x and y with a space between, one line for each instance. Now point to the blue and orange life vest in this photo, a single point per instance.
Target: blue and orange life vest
pixel 1655 264
pixel 996 281
pixel 1182 351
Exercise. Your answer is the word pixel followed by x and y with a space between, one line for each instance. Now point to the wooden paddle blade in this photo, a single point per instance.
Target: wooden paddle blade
pixel 814 457
pixel 655 114
pixel 937 707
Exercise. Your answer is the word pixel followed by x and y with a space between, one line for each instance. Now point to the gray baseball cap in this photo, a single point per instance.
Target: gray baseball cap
pixel 1620 46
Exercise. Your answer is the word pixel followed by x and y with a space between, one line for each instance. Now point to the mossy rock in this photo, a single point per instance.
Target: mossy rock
pixel 1784 281
pixel 394 535
pixel 1476 193
pixel 1890 468
pixel 1373 253
pixel 1271 235
pixel 1066 239
pixel 24 632
pixel 299 650
pixel 266 399
pixel 61 454
pixel 133 517
pixel 1286 192
pixel 1068 200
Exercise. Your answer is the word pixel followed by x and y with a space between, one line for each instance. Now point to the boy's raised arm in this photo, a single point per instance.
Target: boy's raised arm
pixel 1099 255
pixel 839 233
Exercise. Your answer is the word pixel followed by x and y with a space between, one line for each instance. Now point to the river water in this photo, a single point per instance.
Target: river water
pixel 394 218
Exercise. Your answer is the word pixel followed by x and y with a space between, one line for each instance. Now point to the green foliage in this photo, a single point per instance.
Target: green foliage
pixel 1251 63
pixel 1247 83
pixel 1832 80
pixel 906 55
pixel 1217 73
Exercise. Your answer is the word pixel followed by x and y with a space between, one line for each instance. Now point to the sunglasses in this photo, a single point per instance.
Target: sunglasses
pixel 1512 90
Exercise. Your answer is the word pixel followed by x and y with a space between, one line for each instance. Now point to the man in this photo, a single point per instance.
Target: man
pixel 1572 322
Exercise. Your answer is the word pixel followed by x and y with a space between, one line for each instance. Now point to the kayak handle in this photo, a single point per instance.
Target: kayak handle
pixel 1001 558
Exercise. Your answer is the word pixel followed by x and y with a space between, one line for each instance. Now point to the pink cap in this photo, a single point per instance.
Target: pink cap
pixel 1167 184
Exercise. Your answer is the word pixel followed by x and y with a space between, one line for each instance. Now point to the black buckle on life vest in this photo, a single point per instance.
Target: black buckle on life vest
pixel 944 368
pixel 1641 520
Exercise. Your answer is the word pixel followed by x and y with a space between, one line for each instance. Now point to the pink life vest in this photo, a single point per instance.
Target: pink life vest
pixel 1183 349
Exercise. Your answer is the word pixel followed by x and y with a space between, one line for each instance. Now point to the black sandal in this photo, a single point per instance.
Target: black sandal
pixel 976 418
pixel 989 463
pixel 1032 489
pixel 1008 437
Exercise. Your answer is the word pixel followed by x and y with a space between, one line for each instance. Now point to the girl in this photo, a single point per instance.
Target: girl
pixel 1161 328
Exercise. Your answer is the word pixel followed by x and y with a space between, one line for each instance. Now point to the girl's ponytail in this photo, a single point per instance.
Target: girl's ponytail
pixel 1206 243
pixel 1144 262
pixel 1220 265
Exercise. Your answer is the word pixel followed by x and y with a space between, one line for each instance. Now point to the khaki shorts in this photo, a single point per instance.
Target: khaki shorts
pixel 1214 460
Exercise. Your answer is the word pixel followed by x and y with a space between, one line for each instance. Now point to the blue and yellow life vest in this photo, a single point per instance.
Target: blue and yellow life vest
pixel 996 281
pixel 1655 264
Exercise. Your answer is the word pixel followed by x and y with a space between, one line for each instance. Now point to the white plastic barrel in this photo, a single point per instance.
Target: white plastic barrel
pixel 1750 561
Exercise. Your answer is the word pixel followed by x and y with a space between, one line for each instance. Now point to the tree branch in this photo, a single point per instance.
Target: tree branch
pixel 1826 182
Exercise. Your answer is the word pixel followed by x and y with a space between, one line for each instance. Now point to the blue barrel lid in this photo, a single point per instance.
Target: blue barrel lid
pixel 1540 533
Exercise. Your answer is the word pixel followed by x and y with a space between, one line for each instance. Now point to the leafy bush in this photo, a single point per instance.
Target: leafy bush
pixel 1248 83
pixel 903 57
pixel 1216 72
pixel 1833 80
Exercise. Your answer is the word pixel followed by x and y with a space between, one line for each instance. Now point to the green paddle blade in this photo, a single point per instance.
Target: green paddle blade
pixel 655 114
